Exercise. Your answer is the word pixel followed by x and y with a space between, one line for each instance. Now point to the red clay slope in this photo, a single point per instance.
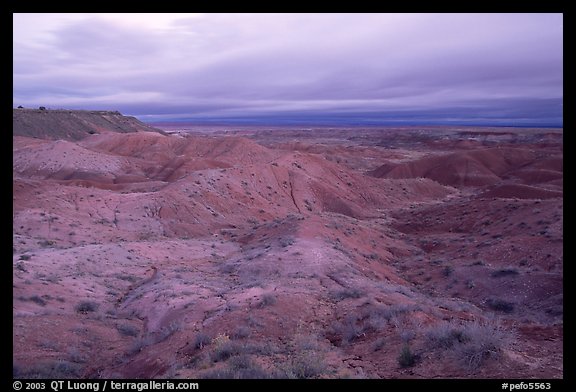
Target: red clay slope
pixel 216 257
pixel 464 168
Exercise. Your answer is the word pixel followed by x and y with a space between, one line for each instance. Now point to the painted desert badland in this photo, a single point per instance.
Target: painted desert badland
pixel 239 252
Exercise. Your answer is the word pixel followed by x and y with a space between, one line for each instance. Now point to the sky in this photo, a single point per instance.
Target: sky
pixel 491 69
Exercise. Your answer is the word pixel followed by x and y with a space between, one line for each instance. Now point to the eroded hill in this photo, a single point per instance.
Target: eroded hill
pixel 146 255
pixel 72 124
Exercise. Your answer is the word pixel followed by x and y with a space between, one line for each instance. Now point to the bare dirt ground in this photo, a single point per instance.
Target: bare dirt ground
pixel 289 253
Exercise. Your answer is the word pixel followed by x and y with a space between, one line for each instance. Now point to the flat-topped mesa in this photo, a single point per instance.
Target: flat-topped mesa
pixel 73 124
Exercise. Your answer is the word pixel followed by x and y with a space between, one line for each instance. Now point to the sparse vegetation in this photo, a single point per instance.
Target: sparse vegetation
pixel 305 364
pixel 38 300
pixel 484 340
pixel 59 369
pixel 350 329
pixel 500 305
pixel 447 271
pixel 201 340
pixel 470 343
pixel 378 344
pixel 345 293
pixel 86 307
pixel 128 330
pixel 75 355
pixel 444 335
pixel 167 331
pixel 285 242
pixel 267 299
pixel 242 366
pixel 239 367
pixel 406 358
pixel 129 278
pixel 46 243
pixel 379 315
pixel 139 344
pixel 504 272
pixel 225 350
pixel 241 332
pixel 264 292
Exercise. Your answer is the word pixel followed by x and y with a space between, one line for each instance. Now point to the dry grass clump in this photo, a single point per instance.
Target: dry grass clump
pixel 470 343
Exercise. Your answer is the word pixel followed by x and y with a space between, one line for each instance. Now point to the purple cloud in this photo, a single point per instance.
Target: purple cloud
pixel 294 65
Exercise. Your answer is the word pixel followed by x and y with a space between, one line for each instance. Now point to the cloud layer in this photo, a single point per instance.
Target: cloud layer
pixel 366 68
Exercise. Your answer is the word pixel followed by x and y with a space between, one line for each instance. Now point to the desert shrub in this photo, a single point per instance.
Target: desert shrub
pixel 285 242
pixel 470 343
pixel 378 344
pixel 228 268
pixel 500 305
pixel 305 364
pixel 444 335
pixel 266 300
pixel 36 299
pixel 49 345
pixel 129 278
pixel 139 344
pixel 305 342
pixel 51 370
pixel 340 295
pixel 305 358
pixel 75 355
pixel 377 320
pixel 25 257
pixel 447 271
pixel 240 367
pixel 483 340
pixel 241 332
pixel 351 331
pixel 406 358
pixel 128 330
pixel 202 340
pixel 407 335
pixel 225 350
pixel 86 307
pixel 380 315
pixel 218 374
pixel 266 348
pixel 46 243
pixel 239 362
pixel 348 330
pixel 167 331
pixel 504 272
